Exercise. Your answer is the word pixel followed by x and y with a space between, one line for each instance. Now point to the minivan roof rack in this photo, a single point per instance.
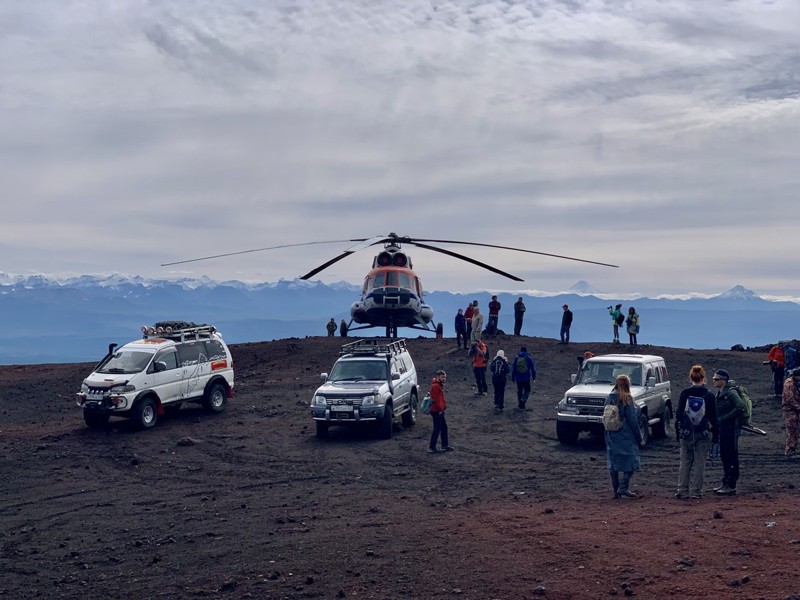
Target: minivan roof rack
pixel 195 332
pixel 373 346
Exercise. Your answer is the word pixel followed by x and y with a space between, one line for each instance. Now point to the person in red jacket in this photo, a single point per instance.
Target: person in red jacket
pixel 438 406
pixel 776 360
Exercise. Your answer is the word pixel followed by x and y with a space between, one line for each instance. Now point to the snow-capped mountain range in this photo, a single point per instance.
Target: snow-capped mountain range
pixel 72 319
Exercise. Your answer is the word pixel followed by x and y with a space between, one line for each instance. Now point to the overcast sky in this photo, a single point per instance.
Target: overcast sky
pixel 662 136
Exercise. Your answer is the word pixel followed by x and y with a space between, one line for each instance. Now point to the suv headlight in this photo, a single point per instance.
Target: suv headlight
pixel 84 388
pixel 372 399
pixel 570 400
pixel 121 389
pixel 318 401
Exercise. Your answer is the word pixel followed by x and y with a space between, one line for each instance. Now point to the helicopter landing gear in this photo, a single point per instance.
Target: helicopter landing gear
pixel 391 329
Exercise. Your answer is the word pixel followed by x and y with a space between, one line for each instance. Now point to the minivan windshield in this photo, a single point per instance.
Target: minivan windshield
pixel 359 370
pixel 126 361
pixel 607 372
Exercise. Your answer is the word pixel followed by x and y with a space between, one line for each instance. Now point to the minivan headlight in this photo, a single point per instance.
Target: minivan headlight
pixel 121 389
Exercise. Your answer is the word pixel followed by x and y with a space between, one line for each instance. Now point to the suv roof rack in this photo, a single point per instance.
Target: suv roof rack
pixel 374 346
pixel 179 335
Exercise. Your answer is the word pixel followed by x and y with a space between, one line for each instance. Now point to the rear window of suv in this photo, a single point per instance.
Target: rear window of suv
pixel 192 353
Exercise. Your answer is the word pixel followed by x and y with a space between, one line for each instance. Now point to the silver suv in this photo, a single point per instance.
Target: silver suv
pixel 156 374
pixel 581 409
pixel 372 382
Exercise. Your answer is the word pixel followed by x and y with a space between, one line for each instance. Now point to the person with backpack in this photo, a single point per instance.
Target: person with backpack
pixel 632 323
pixel 730 409
pixel 478 352
pixel 789 357
pixel 519 315
pixel 500 370
pixel 696 429
pixel 777 361
pixel 617 319
pixel 622 444
pixel 791 412
pixel 523 372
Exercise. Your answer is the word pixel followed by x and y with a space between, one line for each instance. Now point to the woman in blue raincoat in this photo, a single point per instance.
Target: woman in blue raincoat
pixel 622 447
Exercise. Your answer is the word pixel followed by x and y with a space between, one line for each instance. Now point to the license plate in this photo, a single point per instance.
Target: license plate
pixel 94 396
pixel 341 408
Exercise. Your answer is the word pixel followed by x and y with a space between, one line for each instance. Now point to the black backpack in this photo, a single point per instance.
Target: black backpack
pixel 620 319
pixel 499 368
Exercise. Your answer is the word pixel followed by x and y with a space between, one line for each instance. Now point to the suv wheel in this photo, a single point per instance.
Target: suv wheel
pixel 95 420
pixel 322 429
pixel 145 415
pixel 410 416
pixel 216 398
pixel 660 428
pixel 644 429
pixel 386 423
pixel 566 432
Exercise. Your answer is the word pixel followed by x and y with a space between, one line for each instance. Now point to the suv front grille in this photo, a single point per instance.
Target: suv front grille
pixel 346 401
pixel 592 401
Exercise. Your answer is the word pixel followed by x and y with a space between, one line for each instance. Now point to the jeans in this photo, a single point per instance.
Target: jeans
pixel 492 324
pixel 517 324
pixel 480 379
pixel 499 386
pixel 729 453
pixel 523 391
pixel 439 427
pixel 777 376
pixel 565 334
pixel 694 450
pixel 461 336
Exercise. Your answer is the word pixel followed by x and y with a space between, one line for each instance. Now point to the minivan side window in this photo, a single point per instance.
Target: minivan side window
pixel 214 350
pixel 168 357
pixel 192 353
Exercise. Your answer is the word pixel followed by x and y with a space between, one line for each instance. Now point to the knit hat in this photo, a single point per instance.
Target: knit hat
pixel 587 354
pixel 523 349
pixel 722 374
pixel 501 354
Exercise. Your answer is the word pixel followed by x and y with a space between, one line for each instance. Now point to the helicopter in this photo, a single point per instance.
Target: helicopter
pixel 392 294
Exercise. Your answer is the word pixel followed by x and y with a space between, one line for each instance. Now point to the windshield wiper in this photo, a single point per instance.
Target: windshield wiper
pixel 113 370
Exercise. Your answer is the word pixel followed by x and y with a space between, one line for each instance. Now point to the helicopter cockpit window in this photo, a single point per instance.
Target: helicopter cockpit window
pixel 391 278
pixel 405 280
pixel 378 280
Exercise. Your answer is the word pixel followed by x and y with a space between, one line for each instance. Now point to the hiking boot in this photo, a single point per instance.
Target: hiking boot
pixel 696 496
pixel 726 491
pixel 681 496
pixel 448 448
pixel 628 494
pixel 433 450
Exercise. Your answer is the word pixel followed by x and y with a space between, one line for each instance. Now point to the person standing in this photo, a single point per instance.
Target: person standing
pixel 468 317
pixel 519 314
pixel 622 446
pixel 478 353
pixel 494 316
pixel 791 412
pixel 500 370
pixel 789 357
pixel 331 327
pixel 616 320
pixel 461 329
pixel 730 407
pixel 438 406
pixel 777 361
pixel 343 328
pixel 566 323
pixel 695 428
pixel 523 372
pixel 632 323
pixel 477 325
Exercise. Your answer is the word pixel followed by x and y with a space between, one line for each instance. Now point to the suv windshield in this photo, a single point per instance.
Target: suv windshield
pixel 359 370
pixel 126 361
pixel 607 372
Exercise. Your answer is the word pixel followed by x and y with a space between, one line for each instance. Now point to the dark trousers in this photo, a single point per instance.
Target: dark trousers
pixel 565 334
pixel 729 453
pixel 492 326
pixel 517 324
pixel 523 391
pixel 480 379
pixel 777 376
pixel 469 328
pixel 439 427
pixel 499 385
pixel 461 339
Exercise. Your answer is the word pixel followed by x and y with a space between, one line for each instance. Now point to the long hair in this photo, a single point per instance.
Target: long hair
pixel 623 388
pixel 697 374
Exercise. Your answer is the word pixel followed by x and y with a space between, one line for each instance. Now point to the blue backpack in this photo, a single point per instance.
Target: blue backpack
pixel 695 419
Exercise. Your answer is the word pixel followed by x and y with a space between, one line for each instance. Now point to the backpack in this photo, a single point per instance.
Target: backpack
pixel 499 368
pixel 694 416
pixel 521 365
pixel 748 405
pixel 425 405
pixel 620 319
pixel 611 418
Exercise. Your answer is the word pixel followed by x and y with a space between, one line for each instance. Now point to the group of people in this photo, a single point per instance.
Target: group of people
pixel 630 320
pixel 782 359
pixel 469 322
pixel 331 327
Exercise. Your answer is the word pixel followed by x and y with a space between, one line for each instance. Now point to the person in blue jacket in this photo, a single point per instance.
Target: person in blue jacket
pixel 622 447
pixel 523 372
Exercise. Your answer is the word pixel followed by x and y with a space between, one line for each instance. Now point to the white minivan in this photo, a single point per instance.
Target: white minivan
pixel 581 409
pixel 144 378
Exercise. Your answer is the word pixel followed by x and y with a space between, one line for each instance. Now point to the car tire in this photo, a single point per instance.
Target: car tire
pixel 322 429
pixel 410 416
pixel 95 420
pixel 644 430
pixel 386 423
pixel 216 398
pixel 567 433
pixel 145 414
pixel 660 428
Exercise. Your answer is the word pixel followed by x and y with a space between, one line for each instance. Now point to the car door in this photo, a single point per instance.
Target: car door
pixel 401 390
pixel 167 382
pixel 195 368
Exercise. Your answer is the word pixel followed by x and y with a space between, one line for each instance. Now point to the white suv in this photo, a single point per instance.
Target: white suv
pixel 371 382
pixel 143 379
pixel 581 409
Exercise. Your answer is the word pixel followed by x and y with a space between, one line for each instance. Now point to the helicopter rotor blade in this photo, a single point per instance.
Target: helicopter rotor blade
pixel 363 243
pixel 181 262
pixel 466 258
pixel 593 262
pixel 327 264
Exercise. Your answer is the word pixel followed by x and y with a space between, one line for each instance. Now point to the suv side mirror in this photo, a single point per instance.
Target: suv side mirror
pixel 395 376
pixel 323 377
pixel 160 366
pixel 651 382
